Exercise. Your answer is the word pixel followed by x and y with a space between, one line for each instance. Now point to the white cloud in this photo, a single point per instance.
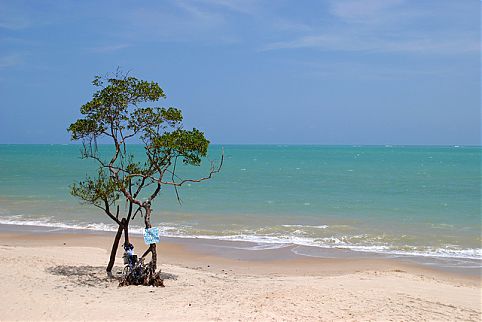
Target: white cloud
pixel 248 7
pixel 337 41
pixel 197 12
pixel 181 21
pixel 387 26
pixel 363 11
pixel 10 60
pixel 368 71
pixel 108 48
pixel 13 23
pixel 12 18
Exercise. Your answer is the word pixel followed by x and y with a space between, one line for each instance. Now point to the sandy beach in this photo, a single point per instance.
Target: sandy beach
pixel 61 277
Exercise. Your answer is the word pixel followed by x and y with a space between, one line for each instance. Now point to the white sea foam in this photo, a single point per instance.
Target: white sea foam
pixel 45 222
pixel 261 241
pixel 308 226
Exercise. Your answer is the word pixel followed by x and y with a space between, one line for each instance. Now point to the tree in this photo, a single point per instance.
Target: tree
pixel 119 111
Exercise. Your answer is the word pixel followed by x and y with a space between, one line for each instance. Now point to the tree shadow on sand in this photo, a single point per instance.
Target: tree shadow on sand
pixel 93 276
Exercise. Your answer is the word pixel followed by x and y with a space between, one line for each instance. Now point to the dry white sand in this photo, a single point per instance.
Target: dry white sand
pixel 48 281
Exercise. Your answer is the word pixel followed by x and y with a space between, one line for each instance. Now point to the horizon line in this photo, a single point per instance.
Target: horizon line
pixel 284 144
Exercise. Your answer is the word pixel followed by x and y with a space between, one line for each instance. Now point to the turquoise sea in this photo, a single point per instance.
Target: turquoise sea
pixel 403 201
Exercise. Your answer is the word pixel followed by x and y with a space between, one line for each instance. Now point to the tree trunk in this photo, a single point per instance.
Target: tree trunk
pixel 151 246
pixel 126 231
pixel 115 245
pixel 154 256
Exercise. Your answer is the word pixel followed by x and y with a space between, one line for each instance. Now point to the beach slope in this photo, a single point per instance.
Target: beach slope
pixel 52 281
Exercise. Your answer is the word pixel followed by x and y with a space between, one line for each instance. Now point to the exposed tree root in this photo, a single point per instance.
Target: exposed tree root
pixel 142 274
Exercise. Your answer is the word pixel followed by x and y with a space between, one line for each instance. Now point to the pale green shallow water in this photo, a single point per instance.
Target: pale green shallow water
pixel 422 201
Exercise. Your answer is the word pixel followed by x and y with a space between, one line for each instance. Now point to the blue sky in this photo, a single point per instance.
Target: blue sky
pixel 308 72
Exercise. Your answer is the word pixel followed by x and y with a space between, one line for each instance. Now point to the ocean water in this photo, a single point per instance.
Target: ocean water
pixel 403 201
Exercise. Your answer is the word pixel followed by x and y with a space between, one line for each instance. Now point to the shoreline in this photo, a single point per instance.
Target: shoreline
pixel 470 257
pixel 246 251
pixel 234 255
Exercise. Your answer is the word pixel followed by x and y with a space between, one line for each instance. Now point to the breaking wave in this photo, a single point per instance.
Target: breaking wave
pixel 274 238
